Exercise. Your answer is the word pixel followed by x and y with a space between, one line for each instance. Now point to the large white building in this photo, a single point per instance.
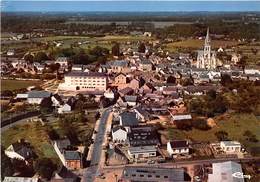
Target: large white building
pixel 226 172
pixel 207 58
pixel 84 81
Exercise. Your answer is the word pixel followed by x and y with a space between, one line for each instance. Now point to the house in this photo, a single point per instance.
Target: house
pixel 225 172
pixel 127 119
pixel 147 88
pixel 73 159
pixel 141 152
pixel 178 147
pixel 120 79
pixel 119 134
pixel 65 108
pixel 131 100
pixel 120 66
pixel 230 146
pixel 36 97
pixel 59 147
pixel 181 117
pixel 148 174
pixel 63 61
pixel 77 67
pixel 110 94
pixel 134 83
pixel 20 150
pixel 20 179
pixel 142 114
pixel 145 65
pixel 126 91
pixel 143 136
pixel 56 100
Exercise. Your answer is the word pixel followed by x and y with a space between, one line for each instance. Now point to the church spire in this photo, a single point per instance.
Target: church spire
pixel 207 39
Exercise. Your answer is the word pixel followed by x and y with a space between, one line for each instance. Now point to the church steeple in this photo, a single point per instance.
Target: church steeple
pixel 207 39
pixel 207 47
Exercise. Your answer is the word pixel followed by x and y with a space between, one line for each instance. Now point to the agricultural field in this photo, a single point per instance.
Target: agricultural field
pixel 234 124
pixel 197 44
pixel 18 84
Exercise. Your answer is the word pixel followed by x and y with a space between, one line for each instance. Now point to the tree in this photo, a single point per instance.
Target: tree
pixel 40 56
pixel 141 48
pixel 226 80
pixel 80 58
pixel 211 94
pixel 200 124
pixel 171 79
pixel 54 67
pixel 221 135
pixel 250 136
pixel 7 168
pixel 29 58
pixel 116 49
pixel 53 135
pixel 243 62
pixel 46 105
pixel 45 167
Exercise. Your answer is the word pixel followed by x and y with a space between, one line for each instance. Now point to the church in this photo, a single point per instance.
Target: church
pixel 206 58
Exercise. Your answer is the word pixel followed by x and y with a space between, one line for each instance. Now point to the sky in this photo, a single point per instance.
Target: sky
pixel 126 6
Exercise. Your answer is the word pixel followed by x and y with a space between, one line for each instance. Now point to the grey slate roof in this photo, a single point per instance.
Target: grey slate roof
pixel 72 155
pixel 120 63
pixel 128 119
pixel 39 94
pixel 130 98
pixel 85 74
pixel 133 173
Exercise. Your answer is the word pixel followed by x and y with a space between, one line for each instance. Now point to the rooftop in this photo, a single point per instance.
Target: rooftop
pixel 179 144
pixel 39 94
pixel 85 74
pixel 133 173
pixel 72 155
pixel 128 119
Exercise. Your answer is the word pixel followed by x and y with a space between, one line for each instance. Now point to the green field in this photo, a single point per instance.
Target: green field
pixel 36 134
pixel 33 133
pixel 235 125
pixel 17 84
pixel 197 44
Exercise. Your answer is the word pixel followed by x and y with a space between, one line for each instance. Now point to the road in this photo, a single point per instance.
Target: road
pixel 94 169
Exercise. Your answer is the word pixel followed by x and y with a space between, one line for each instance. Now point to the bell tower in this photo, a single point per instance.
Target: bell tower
pixel 207 47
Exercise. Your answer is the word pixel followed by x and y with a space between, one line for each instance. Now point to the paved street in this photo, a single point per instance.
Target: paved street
pixel 94 169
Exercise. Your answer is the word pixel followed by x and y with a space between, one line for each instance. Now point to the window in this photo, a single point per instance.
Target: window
pixel 141 175
pixel 133 175
pixel 157 176
pixel 165 176
pixel 149 176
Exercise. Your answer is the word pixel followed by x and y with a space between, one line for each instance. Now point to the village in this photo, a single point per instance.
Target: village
pixel 141 103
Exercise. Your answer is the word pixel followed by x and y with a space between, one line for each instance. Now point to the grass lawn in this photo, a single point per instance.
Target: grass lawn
pixel 235 125
pixel 17 84
pixel 197 44
pixel 35 134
